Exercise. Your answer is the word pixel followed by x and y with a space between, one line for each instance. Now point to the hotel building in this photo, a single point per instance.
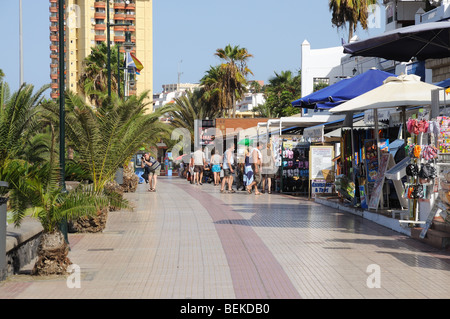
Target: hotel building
pixel 86 27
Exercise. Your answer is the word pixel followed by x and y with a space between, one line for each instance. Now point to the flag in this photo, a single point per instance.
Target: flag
pixel 132 61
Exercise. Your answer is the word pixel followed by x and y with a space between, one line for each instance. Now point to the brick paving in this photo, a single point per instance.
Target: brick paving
pixel 188 241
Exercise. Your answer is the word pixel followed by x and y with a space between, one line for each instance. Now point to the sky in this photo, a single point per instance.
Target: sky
pixel 186 34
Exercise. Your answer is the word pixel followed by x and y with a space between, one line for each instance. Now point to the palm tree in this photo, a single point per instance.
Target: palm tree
pixel 105 138
pixel 213 92
pixel 188 108
pixel 353 12
pixel 36 192
pixel 282 89
pixel 234 71
pixel 18 119
pixel 94 77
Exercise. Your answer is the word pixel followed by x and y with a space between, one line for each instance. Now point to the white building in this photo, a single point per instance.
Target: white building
pixel 330 65
pixel 171 92
pixel 250 101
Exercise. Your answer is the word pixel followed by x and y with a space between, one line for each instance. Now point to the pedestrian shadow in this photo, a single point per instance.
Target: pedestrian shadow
pixel 404 252
pixel 417 260
pixel 292 216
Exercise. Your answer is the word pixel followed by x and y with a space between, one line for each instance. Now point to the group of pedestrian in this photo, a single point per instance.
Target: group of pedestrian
pixel 259 169
pixel 255 170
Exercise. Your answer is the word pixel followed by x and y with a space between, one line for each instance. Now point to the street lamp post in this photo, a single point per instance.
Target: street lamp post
pixel 62 146
pixel 108 39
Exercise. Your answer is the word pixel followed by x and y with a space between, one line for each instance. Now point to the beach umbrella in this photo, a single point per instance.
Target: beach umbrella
pixel 343 90
pixel 422 41
pixel 401 91
pixel 246 142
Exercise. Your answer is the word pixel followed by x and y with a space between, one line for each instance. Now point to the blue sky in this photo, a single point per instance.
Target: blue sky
pixel 189 31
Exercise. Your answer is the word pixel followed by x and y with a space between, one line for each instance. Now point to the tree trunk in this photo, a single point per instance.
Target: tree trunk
pixel 88 224
pixel 233 100
pixel 350 31
pixel 52 255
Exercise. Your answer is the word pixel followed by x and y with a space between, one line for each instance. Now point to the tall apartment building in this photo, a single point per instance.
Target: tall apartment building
pixel 86 27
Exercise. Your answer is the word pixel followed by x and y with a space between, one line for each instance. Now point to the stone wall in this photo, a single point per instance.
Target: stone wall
pixel 22 245
pixel 440 67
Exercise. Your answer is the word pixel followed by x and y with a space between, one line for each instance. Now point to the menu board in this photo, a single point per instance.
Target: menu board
pixel 320 158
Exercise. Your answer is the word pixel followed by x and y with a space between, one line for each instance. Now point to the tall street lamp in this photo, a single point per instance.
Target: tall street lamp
pixel 62 145
pixel 108 39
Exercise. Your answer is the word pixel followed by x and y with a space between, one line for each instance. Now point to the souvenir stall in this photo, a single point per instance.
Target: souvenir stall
pixel 359 161
pixel 294 168
pixel 427 171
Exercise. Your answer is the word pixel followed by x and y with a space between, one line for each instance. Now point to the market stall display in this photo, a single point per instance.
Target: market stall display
pixel 294 168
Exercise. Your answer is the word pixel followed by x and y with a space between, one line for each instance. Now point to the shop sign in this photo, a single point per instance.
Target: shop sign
pixel 314 134
pixel 320 187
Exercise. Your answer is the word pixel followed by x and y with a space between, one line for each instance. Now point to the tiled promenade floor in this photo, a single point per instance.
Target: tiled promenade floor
pixel 187 241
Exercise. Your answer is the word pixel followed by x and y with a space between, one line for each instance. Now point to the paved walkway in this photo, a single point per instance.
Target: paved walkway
pixel 188 241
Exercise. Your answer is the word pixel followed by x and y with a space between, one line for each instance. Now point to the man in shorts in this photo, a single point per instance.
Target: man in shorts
pixel 199 164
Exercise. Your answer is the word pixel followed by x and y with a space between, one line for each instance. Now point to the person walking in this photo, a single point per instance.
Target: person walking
pixel 199 164
pixel 153 167
pixel 248 171
pixel 255 156
pixel 228 162
pixel 240 171
pixel 268 168
pixel 216 162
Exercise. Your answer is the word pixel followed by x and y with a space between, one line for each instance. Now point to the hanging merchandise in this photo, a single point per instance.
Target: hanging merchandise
pixel 294 175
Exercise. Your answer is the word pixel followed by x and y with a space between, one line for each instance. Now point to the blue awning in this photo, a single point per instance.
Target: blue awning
pixel 343 90
pixel 443 84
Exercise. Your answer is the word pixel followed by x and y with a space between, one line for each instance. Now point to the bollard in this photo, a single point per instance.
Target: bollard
pixel 3 201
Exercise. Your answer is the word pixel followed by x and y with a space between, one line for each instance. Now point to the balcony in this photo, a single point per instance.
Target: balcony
pixel 119 28
pixel 54 85
pixel 54 95
pixel 54 38
pixel 119 5
pixel 53 19
pixel 100 4
pixel 53 48
pixel 100 15
pixel 130 17
pixel 53 76
pixel 100 37
pixel 100 27
pixel 120 38
pixel 119 16
pixel 54 9
pixel 54 29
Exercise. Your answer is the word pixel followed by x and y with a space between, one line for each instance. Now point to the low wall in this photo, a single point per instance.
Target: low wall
pixel 22 245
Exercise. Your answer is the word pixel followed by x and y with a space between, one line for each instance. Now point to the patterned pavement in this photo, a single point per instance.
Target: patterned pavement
pixel 192 242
